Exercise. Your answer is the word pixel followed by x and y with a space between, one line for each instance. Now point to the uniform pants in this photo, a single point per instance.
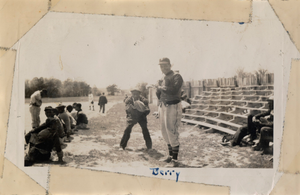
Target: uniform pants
pixel 170 118
pixel 91 104
pixel 102 106
pixel 35 116
pixel 145 131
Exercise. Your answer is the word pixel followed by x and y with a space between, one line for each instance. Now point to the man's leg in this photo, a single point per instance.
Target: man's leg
pixel 146 134
pixel 103 108
pixel 126 134
pixel 251 128
pixel 35 155
pixel 172 121
pixel 35 116
pixel 162 116
pixel 238 136
pixel 266 135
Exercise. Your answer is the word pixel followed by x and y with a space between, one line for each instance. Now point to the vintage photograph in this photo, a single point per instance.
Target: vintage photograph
pixel 149 103
pixel 103 91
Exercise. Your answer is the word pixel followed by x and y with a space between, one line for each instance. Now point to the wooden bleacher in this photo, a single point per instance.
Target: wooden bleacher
pixel 227 109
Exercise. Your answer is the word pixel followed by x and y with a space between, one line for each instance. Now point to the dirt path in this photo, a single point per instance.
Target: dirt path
pixel 98 147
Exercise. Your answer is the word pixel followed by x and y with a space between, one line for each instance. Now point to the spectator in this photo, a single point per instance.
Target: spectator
pixel 43 139
pixel 63 116
pixel 74 114
pixel 73 121
pixel 91 101
pixel 35 106
pixel 259 124
pixel 82 119
pixel 102 102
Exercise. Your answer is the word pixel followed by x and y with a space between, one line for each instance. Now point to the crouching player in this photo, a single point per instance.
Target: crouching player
pixel 137 110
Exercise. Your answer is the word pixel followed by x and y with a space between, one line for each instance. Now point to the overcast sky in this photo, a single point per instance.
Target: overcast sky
pixel 103 50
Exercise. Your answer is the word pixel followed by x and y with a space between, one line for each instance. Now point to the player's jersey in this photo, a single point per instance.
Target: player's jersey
pixel 91 97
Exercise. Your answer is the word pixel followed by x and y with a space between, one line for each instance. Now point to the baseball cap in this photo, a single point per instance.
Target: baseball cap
pixel 164 61
pixel 135 89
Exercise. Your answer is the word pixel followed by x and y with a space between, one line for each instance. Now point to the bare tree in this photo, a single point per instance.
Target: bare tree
pixel 260 74
pixel 143 88
pixel 241 73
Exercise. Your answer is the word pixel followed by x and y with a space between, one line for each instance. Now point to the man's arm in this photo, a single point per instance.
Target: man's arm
pixel 99 100
pixel 58 149
pixel 144 100
pixel 41 127
pixel 262 114
pixel 129 100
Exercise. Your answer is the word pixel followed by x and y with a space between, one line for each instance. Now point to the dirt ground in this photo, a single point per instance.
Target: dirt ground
pixel 99 146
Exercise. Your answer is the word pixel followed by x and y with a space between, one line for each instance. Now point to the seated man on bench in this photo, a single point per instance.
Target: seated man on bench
pixel 260 123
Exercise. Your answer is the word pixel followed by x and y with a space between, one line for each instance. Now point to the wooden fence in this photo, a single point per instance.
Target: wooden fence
pixel 195 87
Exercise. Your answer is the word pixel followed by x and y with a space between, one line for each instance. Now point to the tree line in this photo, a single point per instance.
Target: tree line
pixel 57 88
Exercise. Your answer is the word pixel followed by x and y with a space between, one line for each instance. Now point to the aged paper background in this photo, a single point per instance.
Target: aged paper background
pixel 17 17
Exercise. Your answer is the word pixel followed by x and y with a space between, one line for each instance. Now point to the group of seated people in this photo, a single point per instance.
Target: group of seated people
pixel 60 124
pixel 258 126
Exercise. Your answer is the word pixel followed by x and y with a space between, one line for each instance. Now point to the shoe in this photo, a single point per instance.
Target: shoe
pixel 173 163
pixel 167 160
pixel 122 148
pixel 257 148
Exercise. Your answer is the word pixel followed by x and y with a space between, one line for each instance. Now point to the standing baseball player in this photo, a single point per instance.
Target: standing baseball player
pixel 35 107
pixel 169 94
pixel 91 101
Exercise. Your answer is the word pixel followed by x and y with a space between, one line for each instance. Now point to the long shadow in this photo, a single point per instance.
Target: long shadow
pixel 152 153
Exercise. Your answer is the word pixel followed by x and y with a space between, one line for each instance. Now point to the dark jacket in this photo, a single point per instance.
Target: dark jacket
pixel 102 100
pixel 81 118
pixel 44 137
pixel 270 120
pixel 52 126
pixel 172 94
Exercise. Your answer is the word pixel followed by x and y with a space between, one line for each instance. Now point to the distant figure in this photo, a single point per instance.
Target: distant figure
pixel 35 106
pixel 91 101
pixel 137 110
pixel 82 119
pixel 43 139
pixel 102 102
